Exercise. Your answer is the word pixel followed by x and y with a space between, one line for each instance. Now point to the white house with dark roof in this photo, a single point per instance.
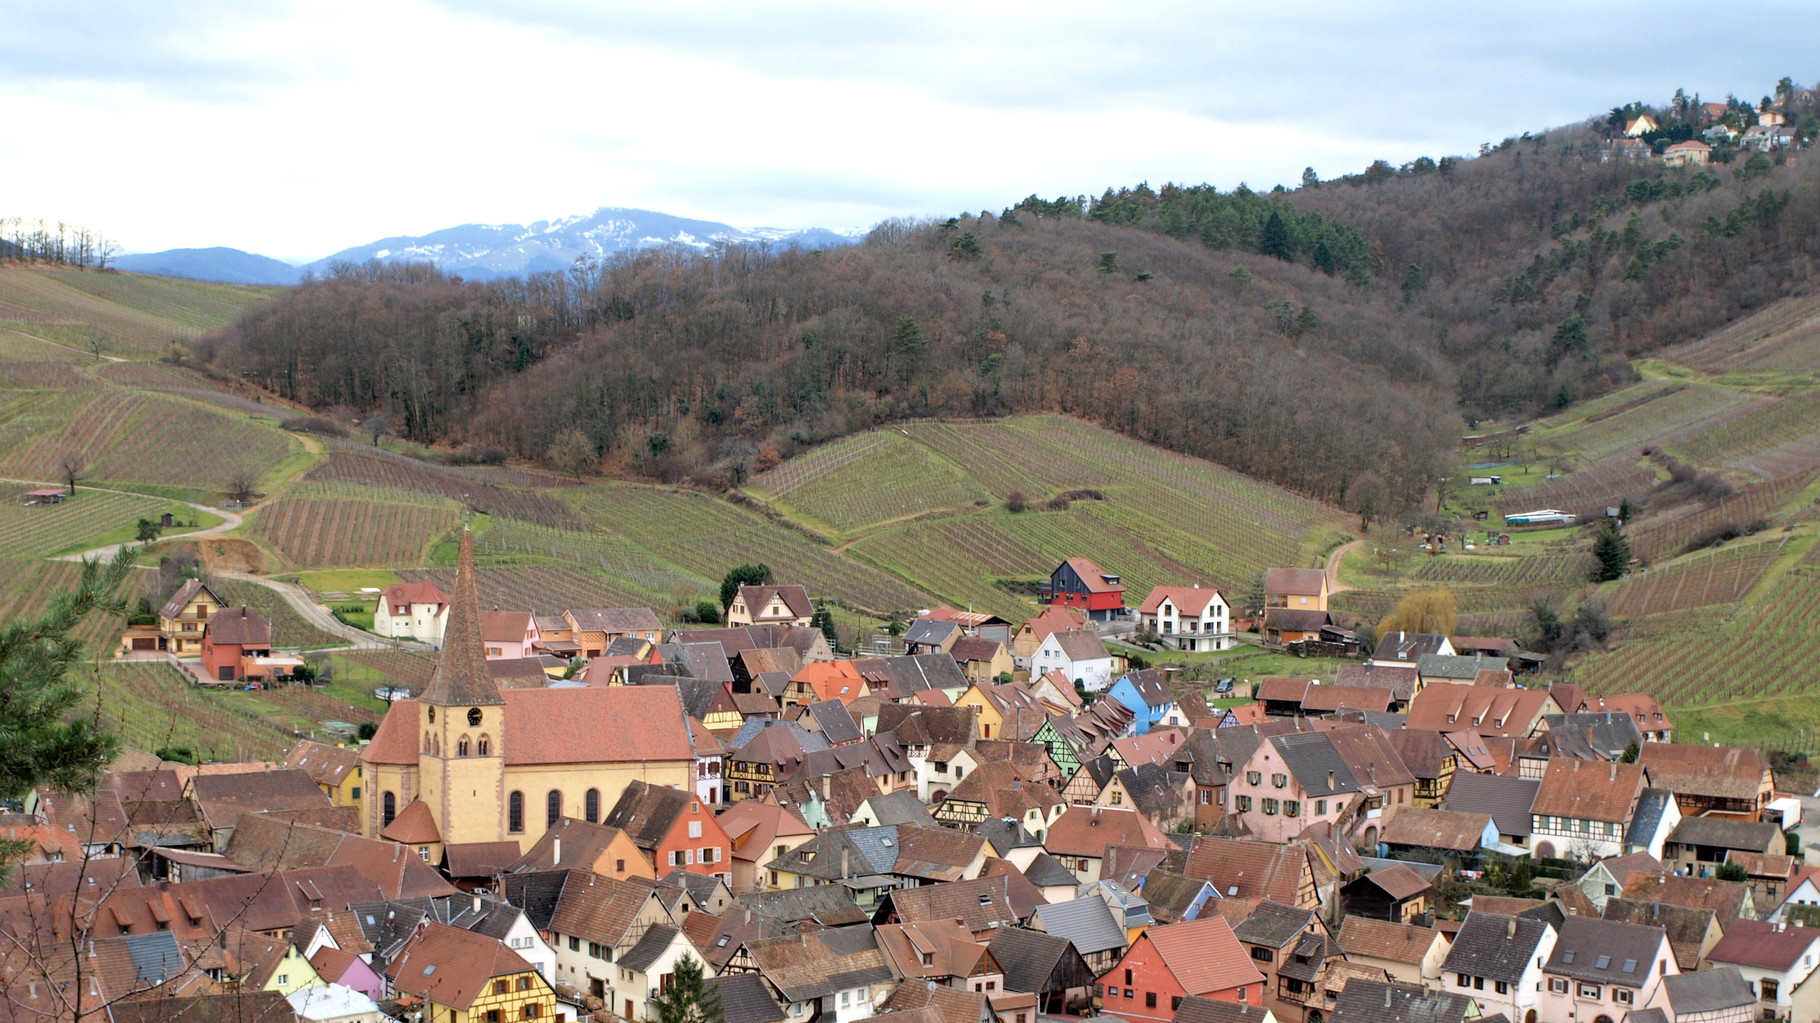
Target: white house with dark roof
pixel 1078 655
pixel 771 605
pixel 1604 968
pixel 1778 961
pixel 1497 961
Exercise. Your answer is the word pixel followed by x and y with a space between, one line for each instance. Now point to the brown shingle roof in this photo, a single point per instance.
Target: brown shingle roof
pixel 1249 870
pixel 1584 790
pixel 413 826
pixel 1704 770
pixel 1077 645
pixel 222 798
pixel 449 966
pixel 1383 939
pixel 795 597
pixel 325 764
pixel 1086 831
pixel 616 619
pixel 240 626
pixel 1294 581
pixel 1435 829
pixel 1763 945
pixel 1400 679
pixel 614 724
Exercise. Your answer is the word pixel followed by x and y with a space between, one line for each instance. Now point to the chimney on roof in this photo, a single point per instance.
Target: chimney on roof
pixel 1614 771
pixel 476 902
pixel 556 852
pixel 1387 996
pixel 1510 928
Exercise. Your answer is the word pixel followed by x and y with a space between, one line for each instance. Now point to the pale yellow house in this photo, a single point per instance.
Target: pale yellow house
pixel 494 766
pixel 181 621
pixel 771 605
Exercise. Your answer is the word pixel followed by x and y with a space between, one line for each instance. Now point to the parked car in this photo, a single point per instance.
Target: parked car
pixel 1223 685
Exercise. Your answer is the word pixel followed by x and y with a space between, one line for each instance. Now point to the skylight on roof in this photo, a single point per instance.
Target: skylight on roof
pixel 1602 963
pixel 1567 956
pixel 429 969
pixel 1630 966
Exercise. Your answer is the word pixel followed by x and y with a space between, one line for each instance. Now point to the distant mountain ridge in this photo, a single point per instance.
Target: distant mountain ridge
pixel 491 251
pixel 220 264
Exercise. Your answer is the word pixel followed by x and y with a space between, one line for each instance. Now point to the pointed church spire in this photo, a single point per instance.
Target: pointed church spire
pixel 461 678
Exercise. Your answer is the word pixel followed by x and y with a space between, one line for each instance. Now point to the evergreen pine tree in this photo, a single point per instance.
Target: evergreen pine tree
pixel 687 999
pixel 823 619
pixel 1275 240
pixel 45 739
pixel 1612 551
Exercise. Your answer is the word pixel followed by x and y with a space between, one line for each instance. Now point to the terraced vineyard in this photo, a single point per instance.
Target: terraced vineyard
pixel 1777 436
pixel 151 705
pixel 370 468
pixel 55 528
pixel 1767 650
pixel 551 589
pixel 132 312
pixel 1717 577
pixel 1585 492
pixel 344 530
pixel 1498 570
pixel 1783 337
pixel 829 458
pixel 1659 409
pixel 708 536
pixel 632 568
pixel 1663 537
pixel 26 586
pixel 894 480
pixel 136 437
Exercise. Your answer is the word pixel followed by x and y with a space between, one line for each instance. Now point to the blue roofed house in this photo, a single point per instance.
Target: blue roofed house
pixel 1147 694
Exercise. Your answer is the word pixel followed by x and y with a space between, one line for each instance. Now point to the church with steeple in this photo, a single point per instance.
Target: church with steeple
pixel 467 762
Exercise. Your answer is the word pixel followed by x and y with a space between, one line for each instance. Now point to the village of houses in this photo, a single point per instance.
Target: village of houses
pixel 1003 823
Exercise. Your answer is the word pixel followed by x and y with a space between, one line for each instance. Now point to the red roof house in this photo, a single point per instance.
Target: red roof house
pixel 1080 583
pixel 1167 964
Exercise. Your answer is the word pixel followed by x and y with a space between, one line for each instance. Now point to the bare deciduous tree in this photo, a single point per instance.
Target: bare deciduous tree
pixel 72 465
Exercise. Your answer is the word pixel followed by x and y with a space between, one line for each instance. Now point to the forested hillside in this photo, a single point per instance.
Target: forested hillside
pixel 1329 339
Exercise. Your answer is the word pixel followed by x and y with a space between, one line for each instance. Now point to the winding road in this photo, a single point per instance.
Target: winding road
pixel 293 594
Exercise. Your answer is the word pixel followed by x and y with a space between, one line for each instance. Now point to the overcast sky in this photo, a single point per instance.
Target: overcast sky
pixel 298 129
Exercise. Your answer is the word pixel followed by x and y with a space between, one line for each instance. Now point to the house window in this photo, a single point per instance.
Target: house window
pixel 575 944
pixel 1623 996
pixel 1768 990
pixel 1502 987
pixel 695 829
pixel 1127 977
pixel 1588 991
pixel 284 978
pixel 1264 955
pixel 1557 985
pixel 390 809
pixel 1254 777
pixel 499 987
pixel 1270 806
pixel 515 813
pixel 1150 999
pixel 462 746
pixel 485 746
pixel 1279 780
pixel 552 808
pixel 594 950
pixel 1320 808
pixel 533 1010
pixel 493 1016
pixel 1242 804
pixel 1292 808
pixel 591 806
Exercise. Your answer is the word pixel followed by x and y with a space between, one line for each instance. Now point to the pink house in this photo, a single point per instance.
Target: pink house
pixel 338 966
pixel 508 634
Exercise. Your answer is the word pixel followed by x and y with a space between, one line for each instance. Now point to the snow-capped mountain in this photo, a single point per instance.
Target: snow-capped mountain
pixel 486 251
